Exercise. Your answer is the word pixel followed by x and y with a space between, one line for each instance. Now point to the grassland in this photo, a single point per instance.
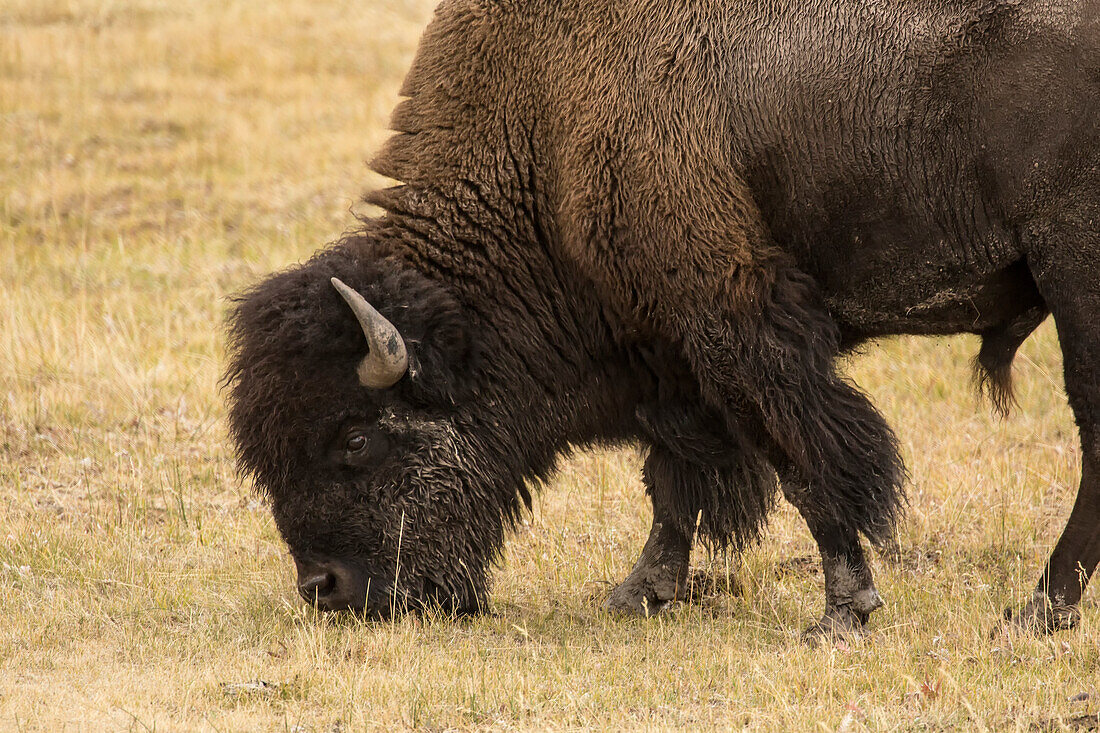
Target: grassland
pixel 157 156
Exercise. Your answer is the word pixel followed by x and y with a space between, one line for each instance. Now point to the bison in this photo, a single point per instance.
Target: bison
pixel 661 222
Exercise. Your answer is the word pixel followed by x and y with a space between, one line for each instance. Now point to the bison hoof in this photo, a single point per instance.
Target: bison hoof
pixel 1040 617
pixel 838 623
pixel 645 593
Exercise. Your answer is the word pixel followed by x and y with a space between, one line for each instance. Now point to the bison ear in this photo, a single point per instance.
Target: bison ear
pixel 441 358
pixel 441 343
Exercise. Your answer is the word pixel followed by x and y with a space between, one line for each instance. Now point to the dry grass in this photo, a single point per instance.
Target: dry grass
pixel 156 156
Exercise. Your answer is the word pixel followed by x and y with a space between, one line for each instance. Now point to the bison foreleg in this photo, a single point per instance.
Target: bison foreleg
pixel 706 483
pixel 850 593
pixel 659 577
pixel 838 456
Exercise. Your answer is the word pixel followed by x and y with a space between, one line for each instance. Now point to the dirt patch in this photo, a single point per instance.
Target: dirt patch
pixel 801 566
pixel 1074 722
pixel 703 583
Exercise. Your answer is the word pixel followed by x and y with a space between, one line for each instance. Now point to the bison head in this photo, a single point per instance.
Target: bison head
pixel 355 407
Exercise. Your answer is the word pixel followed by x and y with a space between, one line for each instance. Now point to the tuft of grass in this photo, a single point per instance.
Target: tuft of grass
pixel 156 157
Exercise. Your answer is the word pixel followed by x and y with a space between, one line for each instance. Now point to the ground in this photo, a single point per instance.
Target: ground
pixel 156 157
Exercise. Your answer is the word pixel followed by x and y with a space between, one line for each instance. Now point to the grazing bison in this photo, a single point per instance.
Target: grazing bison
pixel 662 221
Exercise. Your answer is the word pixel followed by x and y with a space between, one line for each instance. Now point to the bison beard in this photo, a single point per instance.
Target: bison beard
pixel 618 225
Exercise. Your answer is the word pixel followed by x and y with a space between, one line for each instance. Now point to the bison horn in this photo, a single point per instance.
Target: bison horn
pixel 387 361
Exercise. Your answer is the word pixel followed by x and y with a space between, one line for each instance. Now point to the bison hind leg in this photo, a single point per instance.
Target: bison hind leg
pixel 993 365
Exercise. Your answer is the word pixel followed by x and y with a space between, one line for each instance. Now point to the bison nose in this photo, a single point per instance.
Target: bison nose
pixel 317 587
pixel 330 585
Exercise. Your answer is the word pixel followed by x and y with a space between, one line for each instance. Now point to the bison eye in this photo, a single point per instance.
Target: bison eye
pixel 359 446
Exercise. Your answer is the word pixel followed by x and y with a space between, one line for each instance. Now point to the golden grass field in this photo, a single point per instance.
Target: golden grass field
pixel 156 157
